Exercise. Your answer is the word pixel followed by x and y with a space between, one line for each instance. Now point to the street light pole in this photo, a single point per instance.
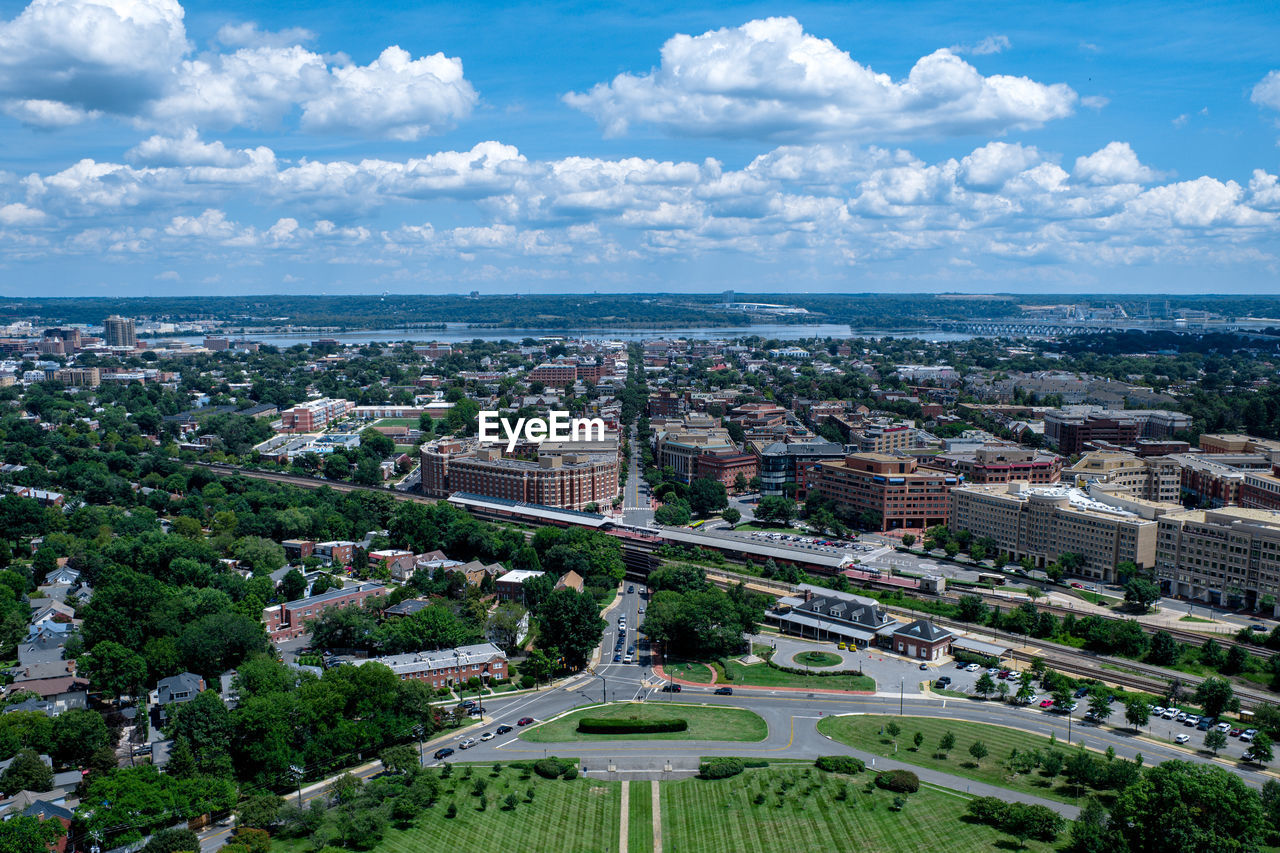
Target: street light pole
pixel 901 687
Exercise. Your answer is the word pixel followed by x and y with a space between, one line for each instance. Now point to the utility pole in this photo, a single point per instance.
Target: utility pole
pixel 298 773
pixel 901 687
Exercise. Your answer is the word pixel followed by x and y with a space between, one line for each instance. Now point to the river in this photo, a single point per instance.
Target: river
pixel 458 332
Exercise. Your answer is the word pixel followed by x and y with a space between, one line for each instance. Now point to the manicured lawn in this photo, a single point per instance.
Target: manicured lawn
pixel 705 723
pixel 817 659
pixel 579 816
pixel 769 528
pixel 689 671
pixel 763 675
pixel 863 732
pixel 700 816
pixel 409 422
pixel 640 829
pixel 1193 619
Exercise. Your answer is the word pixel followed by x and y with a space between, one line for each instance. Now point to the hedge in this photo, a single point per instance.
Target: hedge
pixel 974 657
pixel 552 768
pixel 840 764
pixel 721 768
pixel 609 726
pixel 902 781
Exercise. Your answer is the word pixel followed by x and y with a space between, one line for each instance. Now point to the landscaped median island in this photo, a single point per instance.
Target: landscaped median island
pixel 698 673
pixel 765 674
pixel 637 721
pixel 996 755
pixel 817 659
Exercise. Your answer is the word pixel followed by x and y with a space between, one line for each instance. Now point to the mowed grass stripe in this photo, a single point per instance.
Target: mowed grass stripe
pixel 706 722
pixel 721 817
pixel 640 831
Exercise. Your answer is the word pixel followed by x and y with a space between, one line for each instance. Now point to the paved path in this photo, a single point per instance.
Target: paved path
pixel 624 822
pixel 657 818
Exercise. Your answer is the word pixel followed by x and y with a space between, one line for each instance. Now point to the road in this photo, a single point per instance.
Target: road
pixel 636 509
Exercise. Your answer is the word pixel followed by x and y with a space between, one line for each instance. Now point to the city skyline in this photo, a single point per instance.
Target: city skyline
pixel 166 149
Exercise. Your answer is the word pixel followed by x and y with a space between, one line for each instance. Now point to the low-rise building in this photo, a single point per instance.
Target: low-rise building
pixel 510 586
pixel 447 667
pixel 922 640
pixel 289 620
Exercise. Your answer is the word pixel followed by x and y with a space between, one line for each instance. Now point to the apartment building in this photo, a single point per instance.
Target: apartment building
pixel 1261 489
pixel 1154 478
pixel 679 444
pixel 1236 443
pixel 314 415
pixel 1000 463
pixel 1215 479
pixel 1070 429
pixel 726 467
pixel 1217 555
pixel 446 667
pixel 554 375
pixel 888 488
pixel 667 404
pixel 567 475
pixel 119 332
pixel 1045 522
pixel 288 621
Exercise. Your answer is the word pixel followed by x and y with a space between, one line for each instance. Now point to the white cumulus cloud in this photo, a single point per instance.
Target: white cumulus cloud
pixel 1114 164
pixel 769 79
pixel 63 62
pixel 1267 92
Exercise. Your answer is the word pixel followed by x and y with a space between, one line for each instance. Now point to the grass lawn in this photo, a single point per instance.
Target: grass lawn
pixel 640 828
pixel 760 527
pixel 689 671
pixel 407 422
pixel 817 659
pixel 579 816
pixel 763 675
pixel 863 732
pixel 705 723
pixel 1194 619
pixel 700 816
pixel 1098 599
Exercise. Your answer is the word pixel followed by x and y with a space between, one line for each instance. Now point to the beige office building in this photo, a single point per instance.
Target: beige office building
pixel 1214 554
pixel 1045 522
pixel 1151 478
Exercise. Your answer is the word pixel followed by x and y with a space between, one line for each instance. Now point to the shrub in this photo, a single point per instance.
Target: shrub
pixel 571 772
pixel 755 762
pixel 607 726
pixel 721 768
pixel 553 768
pixel 452 811
pixel 988 810
pixel 840 764
pixel 527 681
pixel 902 781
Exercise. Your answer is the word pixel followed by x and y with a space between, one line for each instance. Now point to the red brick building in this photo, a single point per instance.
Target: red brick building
pixel 727 468
pixel 554 375
pixel 288 621
pixel 889 489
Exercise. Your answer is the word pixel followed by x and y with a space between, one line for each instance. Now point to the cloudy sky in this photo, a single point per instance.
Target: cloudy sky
pixel 339 146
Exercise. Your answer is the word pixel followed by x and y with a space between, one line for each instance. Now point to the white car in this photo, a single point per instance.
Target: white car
pixel 487 736
pixel 627 659
pixel 1157 710
pixel 1169 713
pixel 1223 727
pixel 973 667
pixel 1182 738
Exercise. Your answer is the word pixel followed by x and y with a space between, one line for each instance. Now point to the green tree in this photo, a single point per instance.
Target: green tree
pixel 986 685
pixel 972 609
pixel 947 742
pixel 909 539
pixel 293 585
pixel 918 740
pixel 731 515
pixel 77 734
pixel 571 622
pixel 1261 748
pixel 1137 712
pixel 260 554
pixel 1141 592
pixel 1215 739
pixel 1098 704
pixel 113 669
pixel 1190 808
pixel 1216 695
pixel 401 758
pixel 173 841
pixel 24 834
pixel 707 496
pixel 26 772
pixel 978 750
pixel 1164 649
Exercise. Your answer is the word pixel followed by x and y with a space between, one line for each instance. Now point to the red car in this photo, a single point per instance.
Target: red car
pixel 1046 703
pixel 524 721
pixel 1004 673
pixel 1075 585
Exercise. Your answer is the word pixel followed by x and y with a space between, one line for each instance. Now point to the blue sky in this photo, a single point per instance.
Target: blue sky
pixel 335 147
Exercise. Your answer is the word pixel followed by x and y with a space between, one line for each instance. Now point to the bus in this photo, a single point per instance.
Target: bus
pixel 697 524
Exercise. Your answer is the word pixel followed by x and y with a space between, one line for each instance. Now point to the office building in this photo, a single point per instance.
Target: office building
pixel 1152 478
pixel 790 462
pixel 1000 463
pixel 1228 556
pixel 1070 429
pixel 889 490
pixel 1045 522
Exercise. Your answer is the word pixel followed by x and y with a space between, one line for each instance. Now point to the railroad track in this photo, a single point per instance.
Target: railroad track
pixel 308 482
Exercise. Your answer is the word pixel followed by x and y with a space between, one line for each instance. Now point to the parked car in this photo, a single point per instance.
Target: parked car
pixel 1234 733
pixel 524 721
pixel 973 667
pixel 443 753
pixel 1081 692
pixel 503 729
pixel 467 744
pixel 1157 710
pixel 724 691
pixel 1247 735
pixel 1183 738
pixel 1169 713
pixel 1046 703
pixel 1223 727
pixel 1204 724
pixel 944 680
